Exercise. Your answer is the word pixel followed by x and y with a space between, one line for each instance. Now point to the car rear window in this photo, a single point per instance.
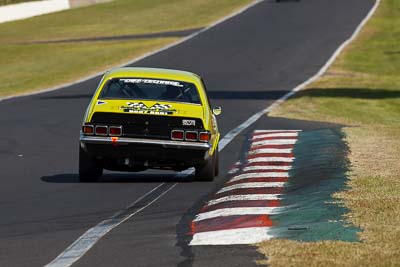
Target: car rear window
pixel 150 89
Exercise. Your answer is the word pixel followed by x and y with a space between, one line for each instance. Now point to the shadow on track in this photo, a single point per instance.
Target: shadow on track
pixel 166 34
pixel 120 178
pixel 242 95
pixel 361 93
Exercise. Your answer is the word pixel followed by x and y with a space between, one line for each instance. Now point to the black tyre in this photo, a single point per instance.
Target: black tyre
pixel 216 163
pixel 90 169
pixel 206 172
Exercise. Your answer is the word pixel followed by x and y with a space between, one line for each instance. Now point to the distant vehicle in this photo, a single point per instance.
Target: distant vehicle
pixel 142 118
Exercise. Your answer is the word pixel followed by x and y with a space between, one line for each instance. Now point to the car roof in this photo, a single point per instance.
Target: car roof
pixel 157 73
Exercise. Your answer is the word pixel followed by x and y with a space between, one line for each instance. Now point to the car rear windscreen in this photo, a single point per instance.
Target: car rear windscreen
pixel 150 89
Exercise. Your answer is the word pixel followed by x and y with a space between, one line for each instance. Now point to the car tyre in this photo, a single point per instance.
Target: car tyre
pixel 206 172
pixel 90 169
pixel 216 164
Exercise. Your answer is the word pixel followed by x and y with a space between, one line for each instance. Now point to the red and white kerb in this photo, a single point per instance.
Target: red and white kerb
pixel 239 213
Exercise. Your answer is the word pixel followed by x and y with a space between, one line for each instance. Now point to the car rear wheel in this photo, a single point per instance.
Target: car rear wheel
pixel 90 169
pixel 209 170
pixel 216 167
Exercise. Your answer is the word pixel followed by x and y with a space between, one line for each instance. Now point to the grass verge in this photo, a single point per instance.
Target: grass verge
pixel 29 66
pixel 361 90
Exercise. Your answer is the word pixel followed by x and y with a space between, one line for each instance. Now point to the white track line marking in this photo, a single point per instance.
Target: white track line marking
pixel 259 175
pixel 270 135
pixel 236 131
pixel 271 151
pixel 271 159
pixel 244 198
pixel 86 241
pixel 232 236
pixel 274 142
pixel 238 211
pixel 251 185
pixel 263 168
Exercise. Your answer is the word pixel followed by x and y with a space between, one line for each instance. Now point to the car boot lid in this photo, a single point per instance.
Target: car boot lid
pixel 153 107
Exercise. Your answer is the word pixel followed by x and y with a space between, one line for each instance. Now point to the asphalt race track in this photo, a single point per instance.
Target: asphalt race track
pixel 247 62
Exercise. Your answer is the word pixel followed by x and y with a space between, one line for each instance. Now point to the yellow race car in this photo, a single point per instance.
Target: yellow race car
pixel 145 118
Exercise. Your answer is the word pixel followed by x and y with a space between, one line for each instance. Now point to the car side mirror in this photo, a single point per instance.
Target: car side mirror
pixel 217 111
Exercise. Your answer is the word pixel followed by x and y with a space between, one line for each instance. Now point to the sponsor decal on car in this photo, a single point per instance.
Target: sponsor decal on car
pixel 142 108
pixel 100 102
pixel 188 122
pixel 151 81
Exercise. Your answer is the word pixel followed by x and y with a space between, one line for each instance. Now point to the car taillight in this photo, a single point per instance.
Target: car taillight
pixel 177 135
pixel 101 130
pixel 115 131
pixel 88 129
pixel 204 137
pixel 191 136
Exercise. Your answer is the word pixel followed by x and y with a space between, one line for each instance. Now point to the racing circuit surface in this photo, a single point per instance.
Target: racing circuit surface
pixel 247 62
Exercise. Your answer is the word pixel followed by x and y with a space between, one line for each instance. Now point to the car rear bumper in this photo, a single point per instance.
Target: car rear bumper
pixel 131 153
pixel 154 142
